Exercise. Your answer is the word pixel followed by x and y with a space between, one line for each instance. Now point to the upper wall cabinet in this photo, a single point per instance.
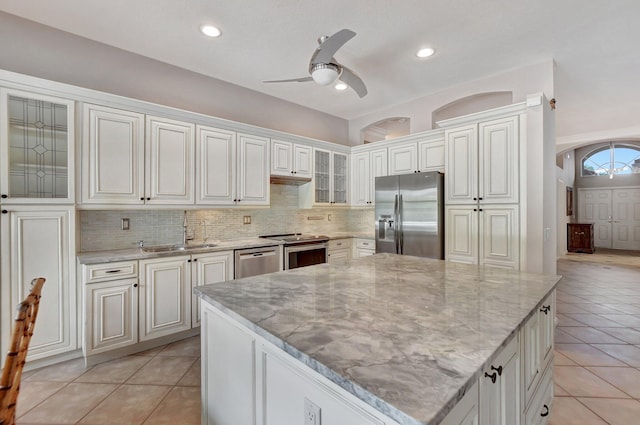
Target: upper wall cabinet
pixel 415 157
pixel 365 167
pixel 120 166
pixel 232 169
pixel 483 162
pixel 291 159
pixel 36 148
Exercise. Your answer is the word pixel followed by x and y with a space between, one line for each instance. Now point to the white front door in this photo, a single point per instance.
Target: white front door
pixel 615 214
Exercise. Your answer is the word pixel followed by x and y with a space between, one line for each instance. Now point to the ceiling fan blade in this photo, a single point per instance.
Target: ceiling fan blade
pixel 330 46
pixel 352 80
pixel 292 80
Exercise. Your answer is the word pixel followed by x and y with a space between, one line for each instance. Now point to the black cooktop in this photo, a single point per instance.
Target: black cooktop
pixel 296 237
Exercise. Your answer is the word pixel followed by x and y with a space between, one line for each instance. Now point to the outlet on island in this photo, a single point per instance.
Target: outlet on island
pixel 246 219
pixel 311 413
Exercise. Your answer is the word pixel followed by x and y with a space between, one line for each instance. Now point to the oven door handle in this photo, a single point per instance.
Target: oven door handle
pixel 306 247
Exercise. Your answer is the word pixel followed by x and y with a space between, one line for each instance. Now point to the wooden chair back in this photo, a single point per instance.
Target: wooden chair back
pixel 14 362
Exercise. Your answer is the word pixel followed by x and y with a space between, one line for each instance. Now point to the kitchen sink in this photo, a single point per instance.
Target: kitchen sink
pixel 176 248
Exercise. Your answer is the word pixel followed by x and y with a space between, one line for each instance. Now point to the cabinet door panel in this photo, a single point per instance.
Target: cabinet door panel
pixel 253 171
pixel 547 327
pixel 403 159
pixel 462 165
pixel 500 399
pixel 208 269
pixel 499 236
pixel 361 180
pixel 113 156
pixel 431 155
pixel 281 158
pixel 39 242
pixel 462 235
pixel 340 178
pixel 498 161
pixel 169 161
pixel 216 166
pixel 165 300
pixel 531 355
pixel 112 315
pixel 302 161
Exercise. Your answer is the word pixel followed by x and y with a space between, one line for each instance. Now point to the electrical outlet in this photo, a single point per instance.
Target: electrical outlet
pixel 311 413
pixel 329 217
pixel 246 219
pixel 125 224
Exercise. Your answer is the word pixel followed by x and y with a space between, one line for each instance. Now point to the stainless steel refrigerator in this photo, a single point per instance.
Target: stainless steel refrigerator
pixel 410 214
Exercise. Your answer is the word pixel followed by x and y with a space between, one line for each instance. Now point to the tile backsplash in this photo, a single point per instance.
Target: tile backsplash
pixel 101 230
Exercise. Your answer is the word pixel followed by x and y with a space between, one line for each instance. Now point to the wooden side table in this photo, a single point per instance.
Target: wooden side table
pixel 580 237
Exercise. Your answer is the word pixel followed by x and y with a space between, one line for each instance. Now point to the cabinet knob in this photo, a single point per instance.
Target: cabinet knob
pixel 188 261
pixel 546 411
pixel 4 196
pixel 479 199
pixel 497 369
pixel 4 211
pixel 493 376
pixel 545 309
pixel 195 259
pixel 135 285
pixel 479 209
pixel 142 199
pixel 475 209
pixel 475 199
pixel 148 199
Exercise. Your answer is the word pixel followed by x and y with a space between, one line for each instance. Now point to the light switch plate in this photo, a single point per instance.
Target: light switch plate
pixel 125 224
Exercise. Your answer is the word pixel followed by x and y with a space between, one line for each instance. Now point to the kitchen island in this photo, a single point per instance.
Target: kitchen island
pixel 387 339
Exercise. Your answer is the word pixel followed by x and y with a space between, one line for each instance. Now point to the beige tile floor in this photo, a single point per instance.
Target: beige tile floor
pixel 597 363
pixel 159 386
pixel 597 359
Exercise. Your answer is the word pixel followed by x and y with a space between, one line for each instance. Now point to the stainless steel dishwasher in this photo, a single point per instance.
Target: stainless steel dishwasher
pixel 255 261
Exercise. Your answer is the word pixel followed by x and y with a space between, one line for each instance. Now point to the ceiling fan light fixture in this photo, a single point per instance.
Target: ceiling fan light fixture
pixel 425 52
pixel 210 30
pixel 324 73
pixel 340 86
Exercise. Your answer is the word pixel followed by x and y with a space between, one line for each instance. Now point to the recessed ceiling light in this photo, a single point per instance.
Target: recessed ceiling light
pixel 210 30
pixel 425 53
pixel 341 86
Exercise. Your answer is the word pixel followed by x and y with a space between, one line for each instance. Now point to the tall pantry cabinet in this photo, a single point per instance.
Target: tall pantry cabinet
pixel 37 223
pixel 482 191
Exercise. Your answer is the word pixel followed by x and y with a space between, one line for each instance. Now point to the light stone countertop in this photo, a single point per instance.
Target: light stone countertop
pixel 98 257
pixel 406 335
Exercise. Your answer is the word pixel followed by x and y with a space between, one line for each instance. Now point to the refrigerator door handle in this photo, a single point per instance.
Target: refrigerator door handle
pixel 400 226
pixel 395 225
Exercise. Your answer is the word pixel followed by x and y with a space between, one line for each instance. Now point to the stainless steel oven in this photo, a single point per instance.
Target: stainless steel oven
pixel 302 250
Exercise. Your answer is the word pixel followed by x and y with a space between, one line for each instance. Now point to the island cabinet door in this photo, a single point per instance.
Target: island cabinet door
pixel 500 388
pixel 165 297
pixel 531 357
pixel 228 372
pixel 466 411
pixel 205 270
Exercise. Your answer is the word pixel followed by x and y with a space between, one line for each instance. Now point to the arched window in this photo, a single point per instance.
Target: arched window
pixel 612 159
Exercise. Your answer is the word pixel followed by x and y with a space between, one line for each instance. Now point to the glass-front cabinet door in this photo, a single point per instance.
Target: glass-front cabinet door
pixel 323 176
pixel 339 178
pixel 37 147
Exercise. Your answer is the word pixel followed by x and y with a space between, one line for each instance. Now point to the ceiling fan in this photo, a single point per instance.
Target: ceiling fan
pixel 325 69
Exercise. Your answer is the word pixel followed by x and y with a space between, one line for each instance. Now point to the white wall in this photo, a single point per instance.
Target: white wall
pixel 40 51
pixel 522 81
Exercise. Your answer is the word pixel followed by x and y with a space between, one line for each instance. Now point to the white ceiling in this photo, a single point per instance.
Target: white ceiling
pixel 594 44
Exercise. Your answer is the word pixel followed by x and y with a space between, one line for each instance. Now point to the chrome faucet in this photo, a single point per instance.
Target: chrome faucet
pixel 185 239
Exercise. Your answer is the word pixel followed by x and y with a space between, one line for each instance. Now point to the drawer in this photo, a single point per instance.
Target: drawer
pixel 339 244
pixel 539 411
pixel 110 271
pixel 366 244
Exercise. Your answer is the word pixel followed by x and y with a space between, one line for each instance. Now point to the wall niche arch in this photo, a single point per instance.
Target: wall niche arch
pixel 388 128
pixel 471 104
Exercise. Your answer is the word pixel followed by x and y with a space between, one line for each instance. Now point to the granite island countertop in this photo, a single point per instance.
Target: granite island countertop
pixel 406 335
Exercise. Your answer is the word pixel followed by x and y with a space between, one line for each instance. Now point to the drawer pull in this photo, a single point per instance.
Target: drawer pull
pixel 339 244
pixel 113 271
pixel 493 377
pixel 546 411
pixel 497 369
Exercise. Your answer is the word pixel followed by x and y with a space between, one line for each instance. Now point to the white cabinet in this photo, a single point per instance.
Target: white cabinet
pixel 207 269
pixel 537 347
pixel 363 247
pixel 417 156
pixel 36 148
pixel 232 169
pixel 110 306
pixel 339 251
pixel 500 388
pixel 121 167
pixel 39 241
pixel 169 161
pixel 465 411
pixel 165 296
pixel 483 162
pixel 291 159
pixel 330 177
pixel 365 167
